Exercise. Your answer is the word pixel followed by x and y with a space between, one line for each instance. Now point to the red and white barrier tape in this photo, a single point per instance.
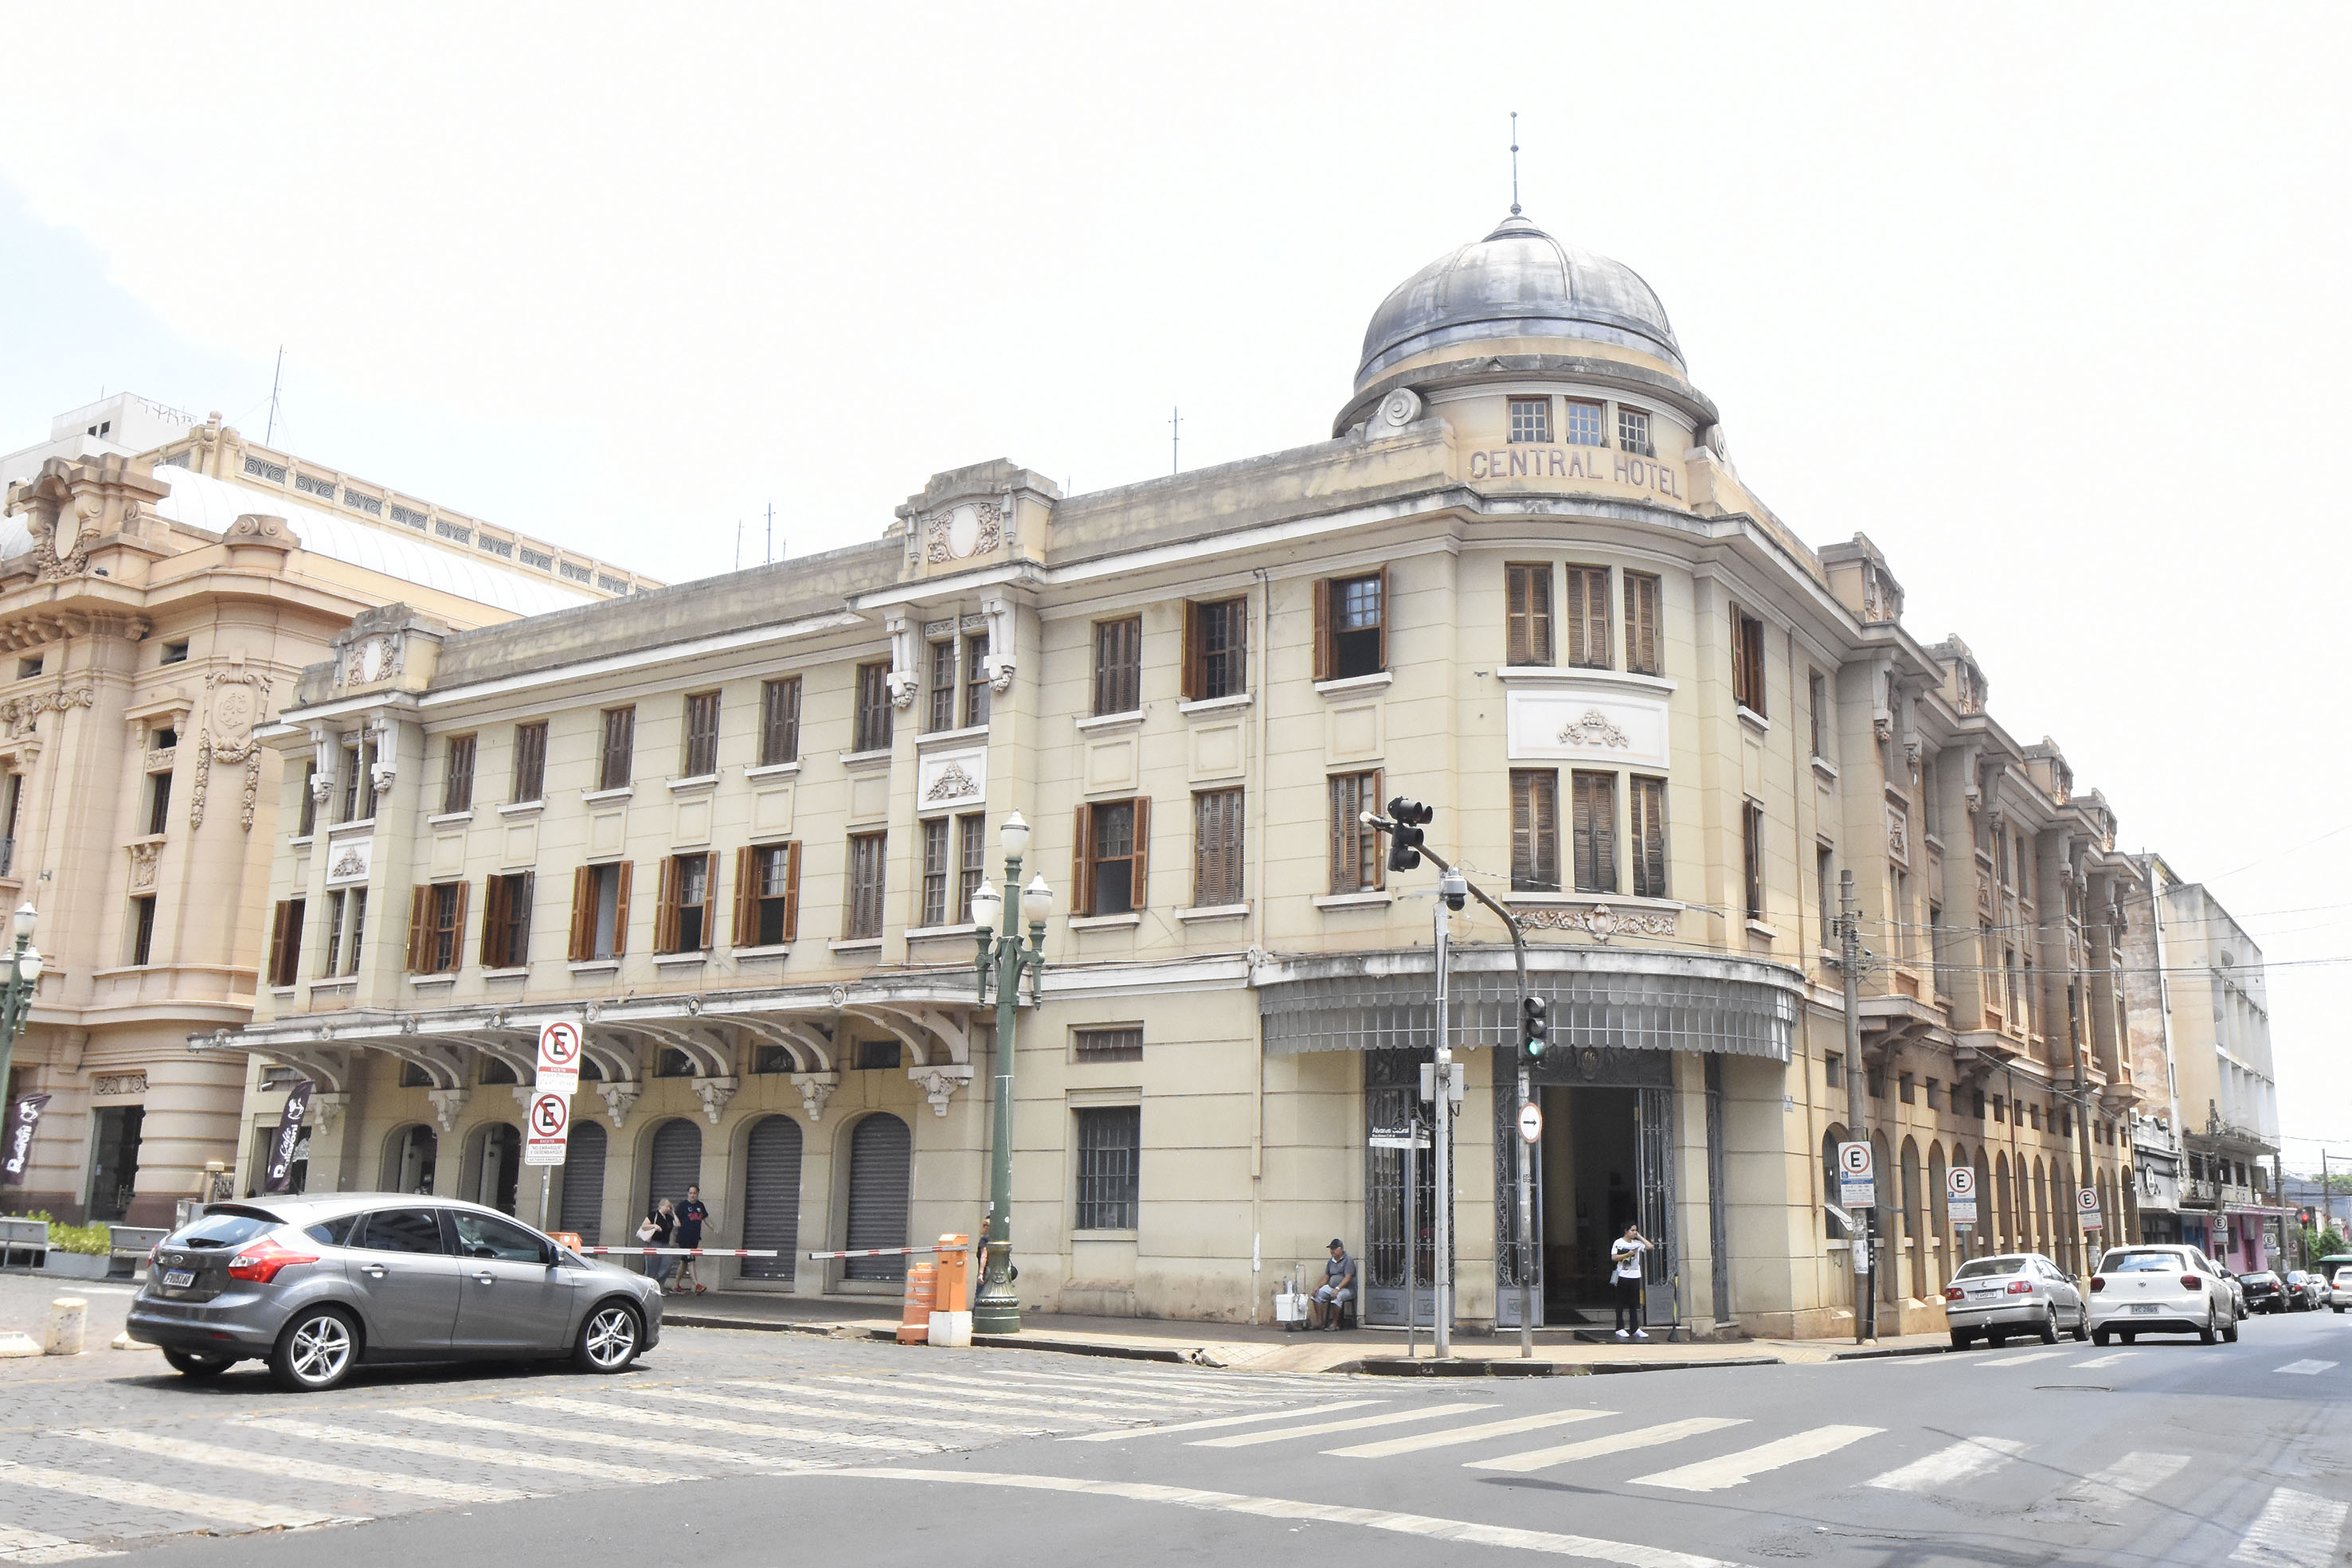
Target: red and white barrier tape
pixel 888 1251
pixel 677 1252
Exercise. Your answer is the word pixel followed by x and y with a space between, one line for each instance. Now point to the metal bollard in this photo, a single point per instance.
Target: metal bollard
pixel 68 1316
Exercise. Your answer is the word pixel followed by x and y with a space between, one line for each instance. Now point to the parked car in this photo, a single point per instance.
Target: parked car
pixel 2160 1290
pixel 2264 1292
pixel 2228 1284
pixel 318 1284
pixel 2305 1291
pixel 2013 1292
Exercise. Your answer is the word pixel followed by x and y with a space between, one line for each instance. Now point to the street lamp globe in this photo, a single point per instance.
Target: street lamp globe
pixel 1037 900
pixel 986 904
pixel 1014 836
pixel 26 915
pixel 29 964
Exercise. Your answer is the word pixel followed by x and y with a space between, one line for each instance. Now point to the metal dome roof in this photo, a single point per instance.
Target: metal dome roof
pixel 1518 282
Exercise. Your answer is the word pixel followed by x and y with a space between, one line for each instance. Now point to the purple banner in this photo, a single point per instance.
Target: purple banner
pixel 289 1137
pixel 16 1159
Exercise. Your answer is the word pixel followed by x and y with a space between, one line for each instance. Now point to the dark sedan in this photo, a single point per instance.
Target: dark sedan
pixel 2265 1292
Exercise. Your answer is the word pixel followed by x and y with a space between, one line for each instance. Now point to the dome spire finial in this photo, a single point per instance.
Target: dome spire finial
pixel 1515 163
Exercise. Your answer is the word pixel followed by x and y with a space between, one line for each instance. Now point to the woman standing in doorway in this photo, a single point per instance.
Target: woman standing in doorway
pixel 1625 1273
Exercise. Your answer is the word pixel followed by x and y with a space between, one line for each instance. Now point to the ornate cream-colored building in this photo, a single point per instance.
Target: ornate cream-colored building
pixel 162 582
pixel 734 826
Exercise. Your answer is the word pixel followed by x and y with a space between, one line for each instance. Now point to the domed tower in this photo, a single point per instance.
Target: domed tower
pixel 1520 307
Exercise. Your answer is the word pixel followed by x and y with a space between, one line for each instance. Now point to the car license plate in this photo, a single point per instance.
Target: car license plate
pixel 2143 1309
pixel 180 1278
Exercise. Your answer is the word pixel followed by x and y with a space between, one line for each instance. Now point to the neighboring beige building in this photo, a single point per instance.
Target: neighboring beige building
pixel 162 581
pixel 734 825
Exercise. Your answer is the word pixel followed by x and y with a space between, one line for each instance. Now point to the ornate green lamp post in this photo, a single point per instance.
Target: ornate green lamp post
pixel 16 989
pixel 997 1309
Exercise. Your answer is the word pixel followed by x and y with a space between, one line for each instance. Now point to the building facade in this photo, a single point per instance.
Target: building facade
pixel 734 828
pixel 162 583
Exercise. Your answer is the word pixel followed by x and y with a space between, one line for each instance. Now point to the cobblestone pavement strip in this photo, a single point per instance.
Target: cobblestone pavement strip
pixel 110 1451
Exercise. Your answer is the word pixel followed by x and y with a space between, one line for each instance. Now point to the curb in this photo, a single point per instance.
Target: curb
pixel 1891 1351
pixel 889 1335
pixel 1472 1366
pixel 760 1326
pixel 1603 1368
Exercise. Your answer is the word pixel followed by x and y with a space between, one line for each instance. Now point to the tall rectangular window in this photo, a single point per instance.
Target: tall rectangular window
pixel 346 926
pixel 975 680
pixel 1825 885
pixel 935 871
pixel 286 943
pixel 767 894
pixel 872 729
pixel 1594 829
pixel 1530 419
pixel 1535 830
pixel 506 921
pixel 436 928
pixel 780 721
pixel 1645 650
pixel 306 823
pixel 1588 617
pixel 1634 431
pixel 682 922
pixel 1751 856
pixel 358 779
pixel 869 866
pixel 1351 634
pixel 1817 701
pixel 1110 1139
pixel 142 929
pixel 1216 849
pixel 531 762
pixel 1583 425
pixel 1357 865
pixel 701 758
pixel 1748 663
pixel 617 759
pixel 1113 869
pixel 1649 802
pixel 159 802
pixel 939 692
pixel 600 911
pixel 1119 665
pixel 1527 613
pixel 1215 642
pixel 972 861
pixel 457 774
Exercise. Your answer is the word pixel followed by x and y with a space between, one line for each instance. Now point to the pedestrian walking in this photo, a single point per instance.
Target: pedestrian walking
pixel 659 1228
pixel 1625 1273
pixel 691 1215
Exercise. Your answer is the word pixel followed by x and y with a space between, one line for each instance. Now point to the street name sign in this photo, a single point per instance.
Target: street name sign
pixel 1857 1187
pixel 549 1129
pixel 1531 1123
pixel 2086 1209
pixel 558 1058
pixel 1960 1193
pixel 1399 1137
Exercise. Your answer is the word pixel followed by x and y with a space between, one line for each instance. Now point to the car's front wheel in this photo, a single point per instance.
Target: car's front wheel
pixel 2082 1325
pixel 199 1367
pixel 608 1341
pixel 317 1350
pixel 2050 1327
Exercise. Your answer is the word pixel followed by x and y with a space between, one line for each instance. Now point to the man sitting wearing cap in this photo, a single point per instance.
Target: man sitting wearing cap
pixel 1337 1289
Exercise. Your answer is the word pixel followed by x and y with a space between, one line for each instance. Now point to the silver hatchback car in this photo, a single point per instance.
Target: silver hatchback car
pixel 317 1284
pixel 2013 1292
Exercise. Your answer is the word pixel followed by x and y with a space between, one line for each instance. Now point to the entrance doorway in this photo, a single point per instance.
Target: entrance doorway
pixel 1393 1098
pixel 497 1161
pixel 114 1161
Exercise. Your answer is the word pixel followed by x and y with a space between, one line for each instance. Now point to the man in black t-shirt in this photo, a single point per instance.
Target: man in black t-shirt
pixel 691 1215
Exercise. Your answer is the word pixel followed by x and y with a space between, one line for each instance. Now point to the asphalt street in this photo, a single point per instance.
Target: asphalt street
pixel 732 1448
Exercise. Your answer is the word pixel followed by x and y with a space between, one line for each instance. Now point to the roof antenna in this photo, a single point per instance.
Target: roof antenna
pixel 1175 431
pixel 270 435
pixel 1515 163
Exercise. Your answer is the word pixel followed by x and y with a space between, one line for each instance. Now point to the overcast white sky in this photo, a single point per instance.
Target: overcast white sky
pixel 2053 303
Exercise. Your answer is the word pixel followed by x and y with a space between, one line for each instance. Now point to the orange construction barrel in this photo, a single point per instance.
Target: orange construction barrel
pixel 915 1318
pixel 955 1274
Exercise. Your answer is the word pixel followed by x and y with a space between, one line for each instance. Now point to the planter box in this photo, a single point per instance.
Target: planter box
pixel 80 1265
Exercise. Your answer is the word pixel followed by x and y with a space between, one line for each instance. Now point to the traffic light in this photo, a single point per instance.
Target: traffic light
pixel 2303 1216
pixel 1404 839
pixel 1535 1029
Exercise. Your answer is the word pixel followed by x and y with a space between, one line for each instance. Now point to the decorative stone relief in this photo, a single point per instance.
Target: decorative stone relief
pixel 1601 922
pixel 62 535
pixel 142 866
pixel 448 1104
pixel 1593 729
pixel 327 1109
pixel 999 613
pixel 1984 892
pixel 22 715
pixel 620 1099
pixel 1898 834
pixel 1397 410
pixel 119 1084
pixel 232 709
pixel 900 680
pixel 350 861
pixel 961 532
pixel 940 1084
pixel 815 1088
pixel 714 1094
pixel 386 767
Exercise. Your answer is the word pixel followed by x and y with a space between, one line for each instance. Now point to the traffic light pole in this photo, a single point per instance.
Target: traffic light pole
pixel 1857 1105
pixel 1440 1111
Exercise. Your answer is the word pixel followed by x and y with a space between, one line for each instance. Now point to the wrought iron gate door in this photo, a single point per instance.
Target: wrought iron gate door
pixel 1391 1097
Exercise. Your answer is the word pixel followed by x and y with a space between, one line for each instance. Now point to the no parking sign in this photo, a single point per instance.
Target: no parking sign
pixel 1960 1193
pixel 550 1129
pixel 1857 1182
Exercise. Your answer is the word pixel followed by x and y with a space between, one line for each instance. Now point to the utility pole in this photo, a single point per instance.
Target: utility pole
pixel 1857 1102
pixel 1441 1115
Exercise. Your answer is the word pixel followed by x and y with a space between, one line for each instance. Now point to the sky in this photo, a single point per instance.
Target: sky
pixel 2052 303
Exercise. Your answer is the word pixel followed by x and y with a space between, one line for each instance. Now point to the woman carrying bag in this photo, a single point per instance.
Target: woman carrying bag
pixel 658 1226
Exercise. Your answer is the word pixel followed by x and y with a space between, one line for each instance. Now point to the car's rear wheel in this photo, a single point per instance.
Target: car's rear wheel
pixel 608 1341
pixel 1996 1339
pixel 2082 1325
pixel 2050 1327
pixel 1962 1339
pixel 193 1365
pixel 317 1351
pixel 2099 1337
pixel 2230 1334
pixel 2209 1334
pixel 2129 1336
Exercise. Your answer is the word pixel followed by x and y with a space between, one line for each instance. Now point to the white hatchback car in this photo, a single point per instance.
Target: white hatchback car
pixel 2339 1289
pixel 2159 1290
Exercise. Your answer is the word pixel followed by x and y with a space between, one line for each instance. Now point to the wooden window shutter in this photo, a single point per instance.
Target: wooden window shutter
pixel 1082 865
pixel 457 927
pixel 277 966
pixel 1343 843
pixel 709 900
pixel 791 890
pixel 583 914
pixel 1384 626
pixel 1322 629
pixel 746 892
pixel 1139 868
pixel 1379 795
pixel 493 917
pixel 1643 654
pixel 621 909
pixel 1191 652
pixel 1575 607
pixel 1604 831
pixel 1650 838
pixel 420 928
pixel 1515 588
pixel 665 906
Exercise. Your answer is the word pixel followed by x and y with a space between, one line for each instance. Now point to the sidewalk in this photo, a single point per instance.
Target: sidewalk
pixel 1258 1347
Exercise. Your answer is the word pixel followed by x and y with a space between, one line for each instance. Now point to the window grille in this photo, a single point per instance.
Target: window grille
pixel 612 584
pixel 273 472
pixel 489 546
pixel 408 518
pixel 449 530
pixel 310 485
pixel 372 505
pixel 1108 1044
pixel 538 559
pixel 574 573
pixel 1109 1143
